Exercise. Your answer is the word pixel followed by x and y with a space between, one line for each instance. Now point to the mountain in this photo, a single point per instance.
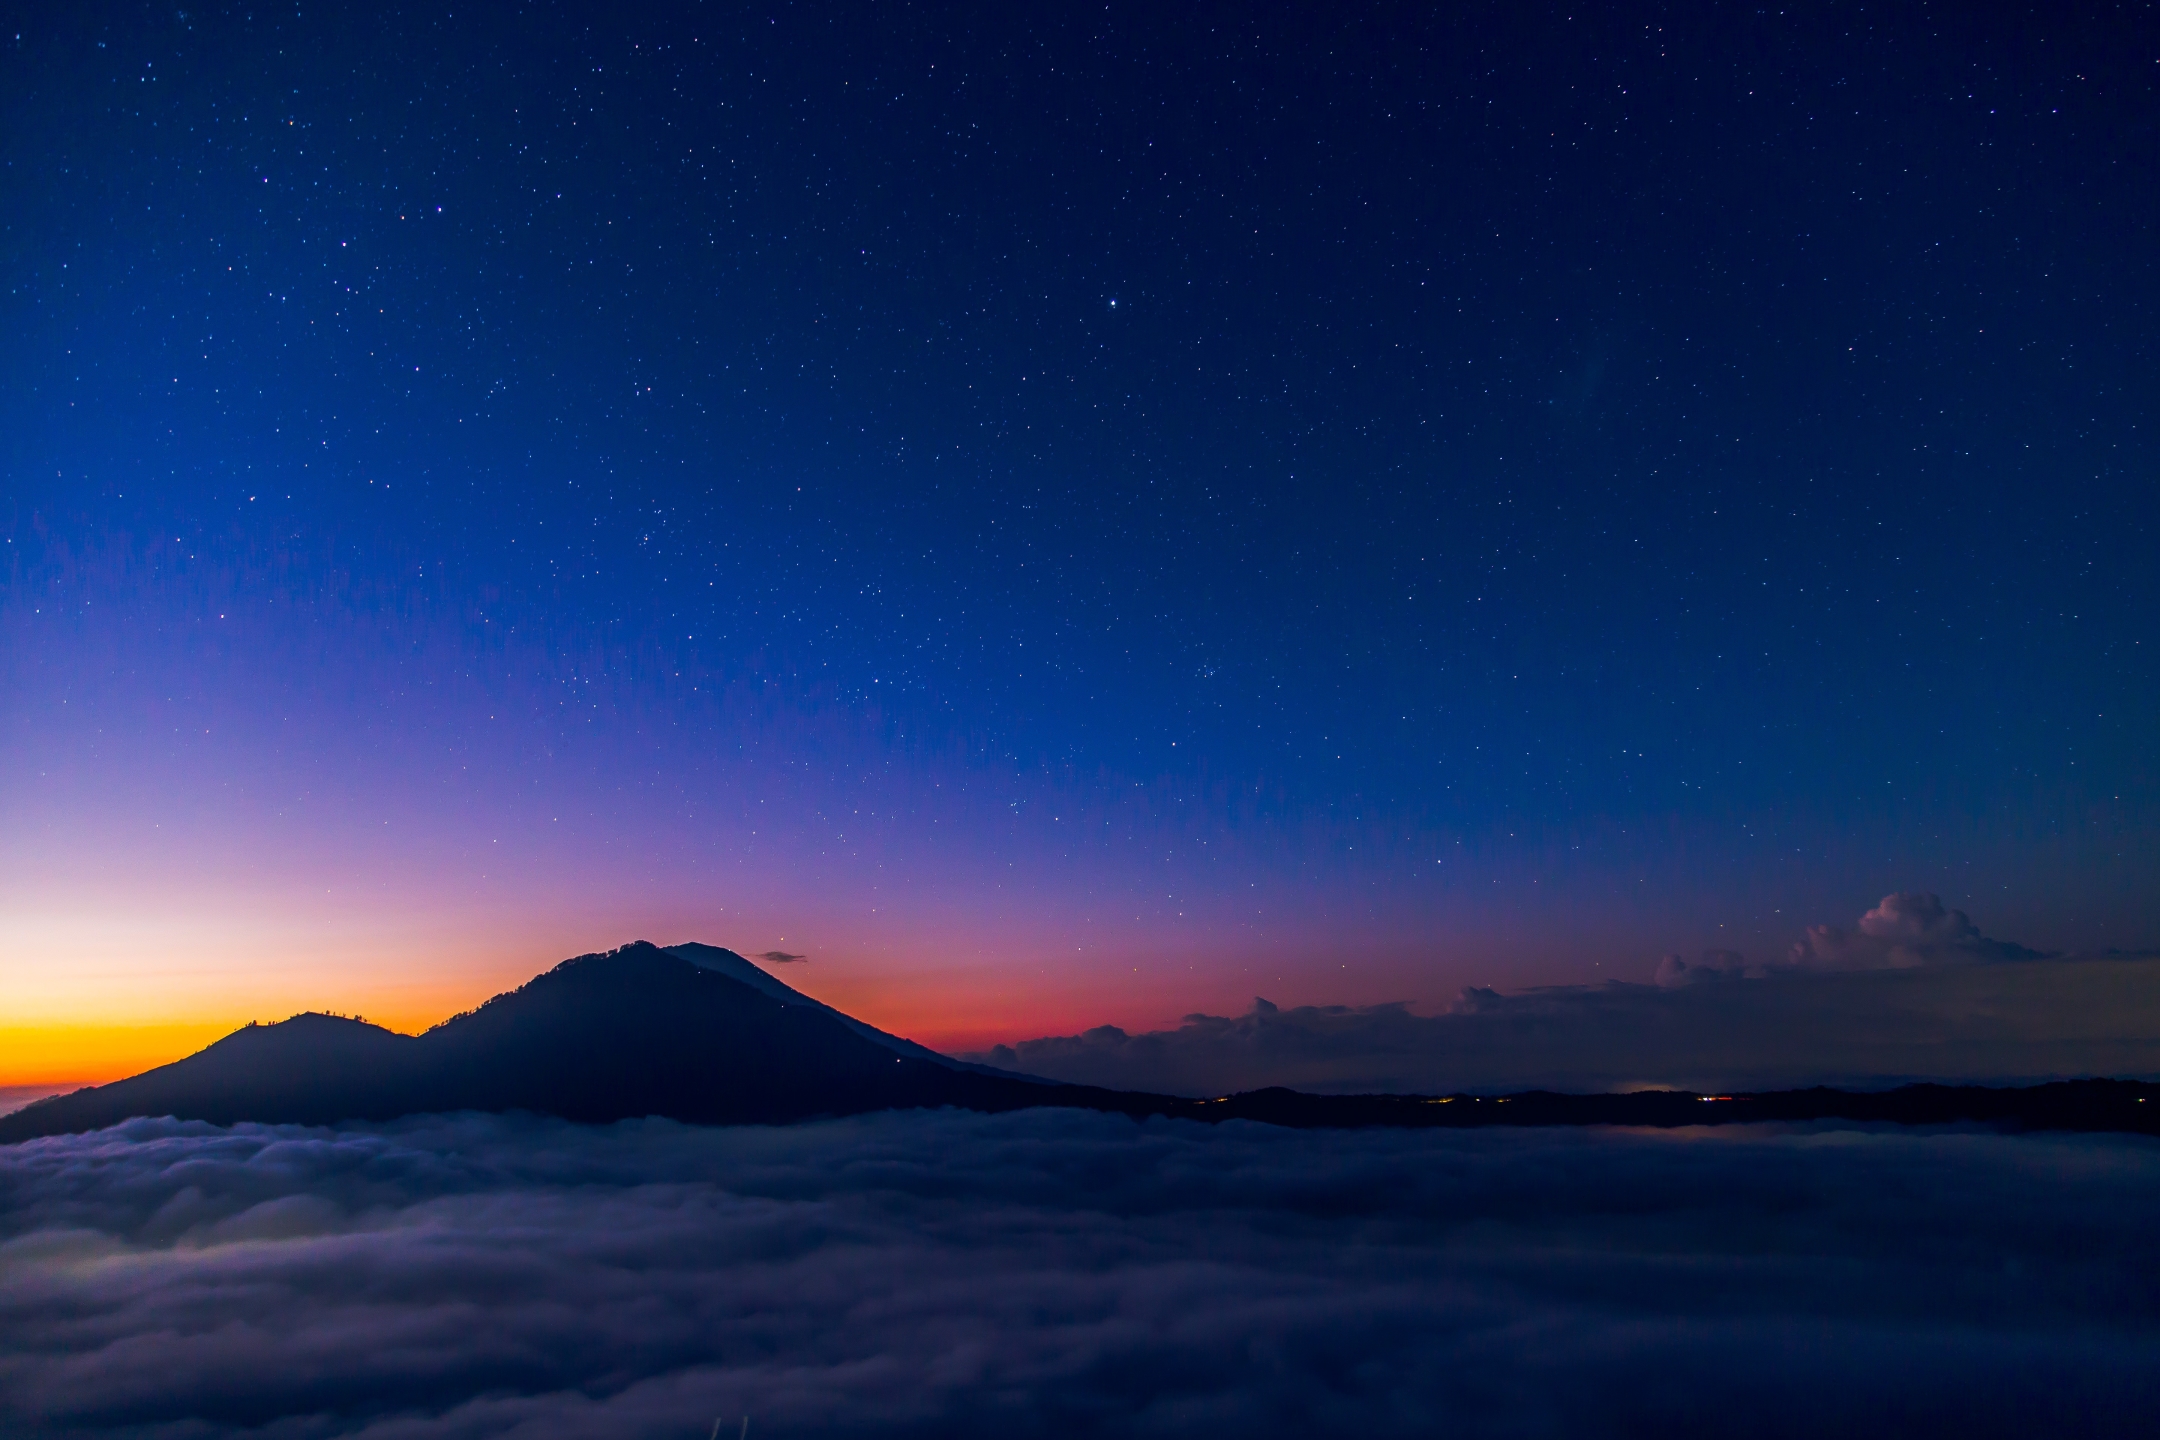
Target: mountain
pixel 732 965
pixel 309 1070
pixel 699 1034
pixel 693 1032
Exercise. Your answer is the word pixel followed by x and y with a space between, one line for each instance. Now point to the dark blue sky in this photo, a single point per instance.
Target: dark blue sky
pixel 1696 459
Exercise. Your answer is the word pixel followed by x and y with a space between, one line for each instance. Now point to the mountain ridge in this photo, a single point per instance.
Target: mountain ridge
pixel 735 967
pixel 649 1031
pixel 639 1030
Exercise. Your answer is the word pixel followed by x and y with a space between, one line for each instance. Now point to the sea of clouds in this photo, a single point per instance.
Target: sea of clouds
pixel 1062 1273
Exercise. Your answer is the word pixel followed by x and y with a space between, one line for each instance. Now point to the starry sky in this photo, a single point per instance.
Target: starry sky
pixel 1058 514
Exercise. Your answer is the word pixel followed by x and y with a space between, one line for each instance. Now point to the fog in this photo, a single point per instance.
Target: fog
pixel 1066 1273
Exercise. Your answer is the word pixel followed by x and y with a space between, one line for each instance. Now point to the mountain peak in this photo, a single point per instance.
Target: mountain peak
pixel 693 1032
pixel 697 1033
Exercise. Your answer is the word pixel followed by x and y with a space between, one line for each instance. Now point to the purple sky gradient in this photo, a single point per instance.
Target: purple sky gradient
pixel 244 786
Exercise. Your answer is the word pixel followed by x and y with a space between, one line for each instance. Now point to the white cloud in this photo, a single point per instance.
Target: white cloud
pixel 1906 931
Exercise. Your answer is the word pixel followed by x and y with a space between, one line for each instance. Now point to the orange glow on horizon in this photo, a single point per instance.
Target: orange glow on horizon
pixel 75 1055
pixel 93 998
pixel 951 1013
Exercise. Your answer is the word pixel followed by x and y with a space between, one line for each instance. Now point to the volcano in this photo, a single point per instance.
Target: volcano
pixel 699 1034
pixel 690 1032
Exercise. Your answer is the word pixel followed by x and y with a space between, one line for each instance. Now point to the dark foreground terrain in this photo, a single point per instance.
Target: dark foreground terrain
pixel 698 1034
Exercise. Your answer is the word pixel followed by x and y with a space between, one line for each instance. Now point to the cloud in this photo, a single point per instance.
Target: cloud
pixel 1714 965
pixel 1058 1273
pixel 780 957
pixel 1905 931
pixel 1915 992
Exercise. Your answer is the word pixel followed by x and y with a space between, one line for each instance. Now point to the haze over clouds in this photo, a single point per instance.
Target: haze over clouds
pixel 1915 991
pixel 1064 1273
pixel 14 1097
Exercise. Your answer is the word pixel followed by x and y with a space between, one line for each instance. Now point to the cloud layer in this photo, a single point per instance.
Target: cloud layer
pixel 1915 992
pixel 1069 1274
pixel 2029 1020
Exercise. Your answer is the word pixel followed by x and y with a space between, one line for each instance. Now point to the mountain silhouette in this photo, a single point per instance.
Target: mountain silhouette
pixel 691 1032
pixel 732 965
pixel 699 1034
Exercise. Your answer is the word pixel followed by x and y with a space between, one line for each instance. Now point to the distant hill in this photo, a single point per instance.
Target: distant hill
pixel 699 1034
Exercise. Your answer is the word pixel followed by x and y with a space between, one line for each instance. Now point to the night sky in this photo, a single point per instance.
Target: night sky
pixel 1059 514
